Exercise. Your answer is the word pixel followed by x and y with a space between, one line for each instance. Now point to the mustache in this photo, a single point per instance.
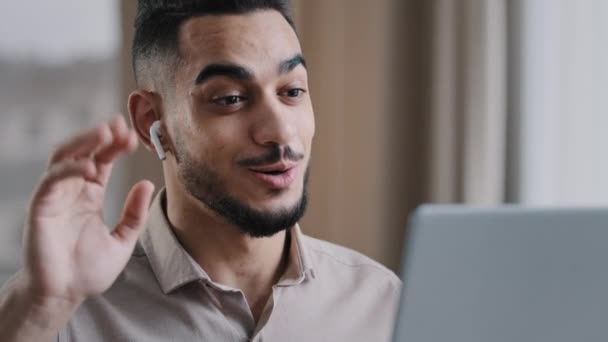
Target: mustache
pixel 274 155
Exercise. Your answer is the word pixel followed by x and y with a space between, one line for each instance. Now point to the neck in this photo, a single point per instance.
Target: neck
pixel 229 256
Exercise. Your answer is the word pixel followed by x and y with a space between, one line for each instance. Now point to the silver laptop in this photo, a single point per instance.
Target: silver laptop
pixel 505 275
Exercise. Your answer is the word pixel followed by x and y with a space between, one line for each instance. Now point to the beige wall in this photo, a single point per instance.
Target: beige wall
pixel 368 95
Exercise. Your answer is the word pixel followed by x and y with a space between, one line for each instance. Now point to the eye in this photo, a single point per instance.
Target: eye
pixel 230 100
pixel 295 92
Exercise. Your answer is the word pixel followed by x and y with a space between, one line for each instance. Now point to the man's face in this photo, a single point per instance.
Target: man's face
pixel 242 122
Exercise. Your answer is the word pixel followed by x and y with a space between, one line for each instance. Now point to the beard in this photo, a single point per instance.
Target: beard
pixel 209 187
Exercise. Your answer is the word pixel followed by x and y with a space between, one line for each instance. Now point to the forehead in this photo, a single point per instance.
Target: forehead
pixel 257 40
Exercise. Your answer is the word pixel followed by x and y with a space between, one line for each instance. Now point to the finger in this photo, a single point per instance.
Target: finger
pixel 124 140
pixel 105 167
pixel 83 168
pixel 83 144
pixel 134 214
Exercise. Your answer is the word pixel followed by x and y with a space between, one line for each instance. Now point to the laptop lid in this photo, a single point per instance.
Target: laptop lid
pixel 504 275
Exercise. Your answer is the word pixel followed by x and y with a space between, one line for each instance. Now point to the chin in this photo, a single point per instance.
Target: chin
pixel 278 200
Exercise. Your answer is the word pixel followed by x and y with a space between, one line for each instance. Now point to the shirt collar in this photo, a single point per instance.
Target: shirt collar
pixel 299 264
pixel 174 267
pixel 170 262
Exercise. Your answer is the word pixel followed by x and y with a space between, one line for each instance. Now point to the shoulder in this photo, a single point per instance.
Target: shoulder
pixel 136 280
pixel 134 294
pixel 137 273
pixel 331 258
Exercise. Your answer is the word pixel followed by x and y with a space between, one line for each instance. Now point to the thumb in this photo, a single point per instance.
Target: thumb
pixel 134 214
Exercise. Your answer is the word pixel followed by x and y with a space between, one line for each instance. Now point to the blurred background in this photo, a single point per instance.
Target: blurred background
pixel 480 102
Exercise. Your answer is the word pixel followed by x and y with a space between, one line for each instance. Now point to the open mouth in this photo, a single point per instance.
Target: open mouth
pixel 273 173
pixel 276 176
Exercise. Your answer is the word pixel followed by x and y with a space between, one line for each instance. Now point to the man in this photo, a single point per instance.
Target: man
pixel 222 257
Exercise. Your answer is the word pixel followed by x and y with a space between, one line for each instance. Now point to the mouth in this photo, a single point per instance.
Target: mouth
pixel 277 176
pixel 272 173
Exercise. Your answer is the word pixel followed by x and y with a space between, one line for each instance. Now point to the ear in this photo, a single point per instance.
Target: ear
pixel 144 108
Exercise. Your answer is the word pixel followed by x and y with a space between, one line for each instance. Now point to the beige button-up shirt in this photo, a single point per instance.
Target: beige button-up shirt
pixel 328 293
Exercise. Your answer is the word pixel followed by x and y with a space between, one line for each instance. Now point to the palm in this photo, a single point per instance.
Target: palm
pixel 70 252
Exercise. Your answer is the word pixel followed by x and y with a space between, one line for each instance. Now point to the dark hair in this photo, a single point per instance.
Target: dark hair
pixel 158 22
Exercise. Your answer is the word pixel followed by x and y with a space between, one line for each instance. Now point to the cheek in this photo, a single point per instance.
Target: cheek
pixel 307 126
pixel 216 151
pixel 221 145
pixel 312 126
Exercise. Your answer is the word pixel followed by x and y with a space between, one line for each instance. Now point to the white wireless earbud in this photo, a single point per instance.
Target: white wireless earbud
pixel 154 136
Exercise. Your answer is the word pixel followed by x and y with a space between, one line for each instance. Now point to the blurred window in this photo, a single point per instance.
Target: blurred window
pixel 59 62
pixel 563 102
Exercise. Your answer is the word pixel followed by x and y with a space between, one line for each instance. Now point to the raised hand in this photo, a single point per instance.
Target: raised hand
pixel 70 253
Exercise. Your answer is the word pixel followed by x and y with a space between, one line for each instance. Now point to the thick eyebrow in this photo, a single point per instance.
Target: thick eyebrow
pixel 292 63
pixel 226 70
pixel 241 73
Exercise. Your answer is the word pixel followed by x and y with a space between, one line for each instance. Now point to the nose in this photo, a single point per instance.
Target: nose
pixel 273 125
